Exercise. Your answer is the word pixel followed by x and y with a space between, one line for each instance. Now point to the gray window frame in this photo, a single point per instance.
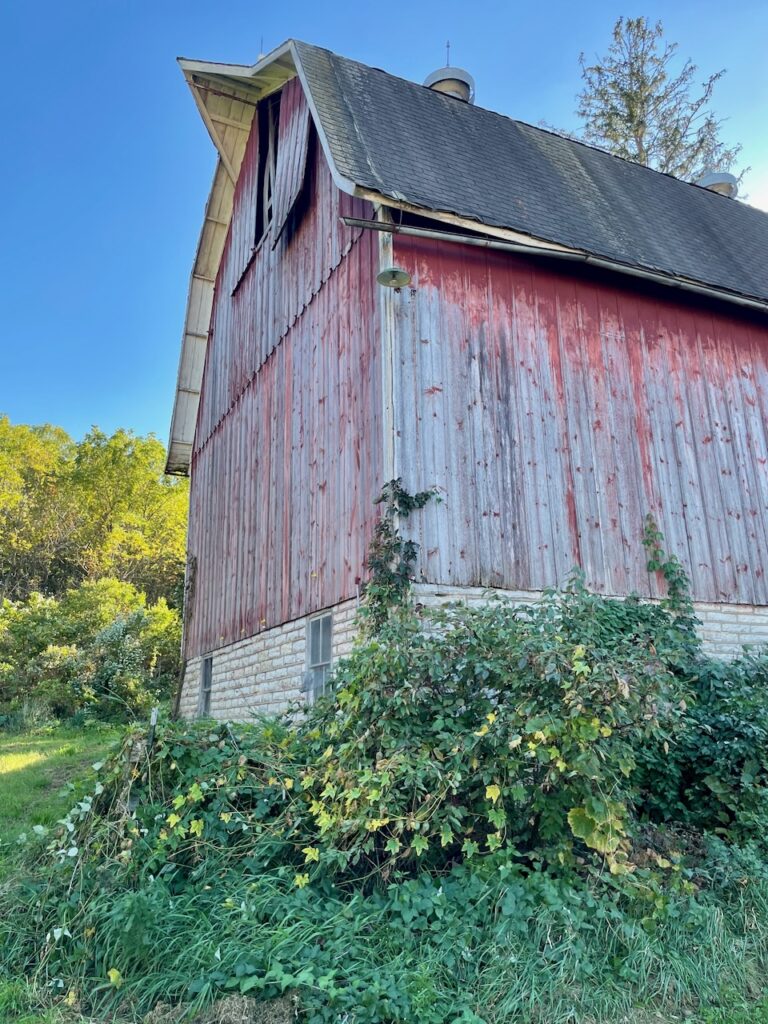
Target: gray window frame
pixel 317 671
pixel 206 687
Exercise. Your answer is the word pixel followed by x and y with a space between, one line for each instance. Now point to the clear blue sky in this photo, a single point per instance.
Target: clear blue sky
pixel 106 165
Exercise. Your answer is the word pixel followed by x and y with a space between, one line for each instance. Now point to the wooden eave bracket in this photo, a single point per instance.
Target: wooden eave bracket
pixel 227 114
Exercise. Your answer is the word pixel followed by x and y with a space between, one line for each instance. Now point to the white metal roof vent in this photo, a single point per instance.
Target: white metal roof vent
pixel 721 182
pixel 454 82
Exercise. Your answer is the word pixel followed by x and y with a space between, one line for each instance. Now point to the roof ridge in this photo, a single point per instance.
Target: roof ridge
pixel 550 131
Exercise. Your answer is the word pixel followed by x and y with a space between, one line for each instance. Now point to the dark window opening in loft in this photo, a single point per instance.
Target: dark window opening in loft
pixel 268 115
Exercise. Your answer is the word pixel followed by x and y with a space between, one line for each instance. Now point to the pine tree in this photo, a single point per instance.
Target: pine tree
pixel 633 106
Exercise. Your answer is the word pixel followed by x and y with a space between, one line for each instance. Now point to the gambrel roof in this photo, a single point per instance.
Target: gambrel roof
pixel 407 146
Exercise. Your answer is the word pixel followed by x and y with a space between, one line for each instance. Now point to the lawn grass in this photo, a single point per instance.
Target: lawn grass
pixel 35 768
pixel 36 772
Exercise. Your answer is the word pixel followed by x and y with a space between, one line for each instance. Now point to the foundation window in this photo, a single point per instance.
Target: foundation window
pixel 206 684
pixel 318 656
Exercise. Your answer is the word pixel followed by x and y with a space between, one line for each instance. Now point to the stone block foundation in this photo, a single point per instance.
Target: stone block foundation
pixel 725 628
pixel 263 674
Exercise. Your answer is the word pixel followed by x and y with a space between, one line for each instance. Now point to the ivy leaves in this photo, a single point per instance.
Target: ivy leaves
pixel 391 558
pixel 512 732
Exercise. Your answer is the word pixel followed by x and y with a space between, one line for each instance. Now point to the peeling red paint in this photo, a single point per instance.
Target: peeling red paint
pixel 552 407
pixel 288 453
pixel 603 400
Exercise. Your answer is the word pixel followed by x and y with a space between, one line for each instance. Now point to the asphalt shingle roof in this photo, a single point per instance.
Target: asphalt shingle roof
pixel 410 143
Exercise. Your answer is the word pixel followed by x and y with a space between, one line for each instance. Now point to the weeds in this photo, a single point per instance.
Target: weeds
pixel 550 814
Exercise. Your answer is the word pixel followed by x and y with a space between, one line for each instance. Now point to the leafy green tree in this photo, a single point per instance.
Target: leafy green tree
pixel 92 548
pixel 73 511
pixel 37 512
pixel 100 648
pixel 633 105
pixel 133 517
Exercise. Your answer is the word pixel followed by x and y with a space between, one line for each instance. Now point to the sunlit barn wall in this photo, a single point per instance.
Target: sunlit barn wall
pixel 287 459
pixel 555 408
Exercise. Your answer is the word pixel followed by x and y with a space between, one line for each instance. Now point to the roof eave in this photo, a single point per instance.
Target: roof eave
pixel 534 245
pixel 226 97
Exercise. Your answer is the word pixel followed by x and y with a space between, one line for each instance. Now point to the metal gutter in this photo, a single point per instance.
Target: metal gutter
pixel 573 255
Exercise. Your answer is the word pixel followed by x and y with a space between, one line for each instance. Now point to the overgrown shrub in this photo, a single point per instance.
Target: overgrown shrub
pixel 459 826
pixel 99 650
pixel 501 814
pixel 468 731
pixel 716 774
pixel 197 870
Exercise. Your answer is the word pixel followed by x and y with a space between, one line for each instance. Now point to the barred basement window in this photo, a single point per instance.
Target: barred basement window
pixel 318 656
pixel 206 684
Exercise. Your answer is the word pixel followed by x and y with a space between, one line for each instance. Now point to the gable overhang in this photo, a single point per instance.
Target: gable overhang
pixel 226 96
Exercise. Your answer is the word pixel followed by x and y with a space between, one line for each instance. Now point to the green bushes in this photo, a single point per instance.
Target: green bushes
pixel 716 776
pixel 554 813
pixel 99 650
pixel 494 729
pixel 452 736
pixel 472 829
pixel 182 877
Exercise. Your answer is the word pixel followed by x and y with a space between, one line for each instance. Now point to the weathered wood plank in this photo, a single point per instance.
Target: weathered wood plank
pixel 596 402
pixel 288 448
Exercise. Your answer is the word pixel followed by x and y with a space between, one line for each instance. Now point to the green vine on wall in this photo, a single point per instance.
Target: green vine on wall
pixel 391 558
pixel 678 599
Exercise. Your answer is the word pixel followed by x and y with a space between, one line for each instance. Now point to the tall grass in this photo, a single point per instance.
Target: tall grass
pixel 357 956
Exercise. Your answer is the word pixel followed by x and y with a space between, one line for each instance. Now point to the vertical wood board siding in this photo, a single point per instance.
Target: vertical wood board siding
pixel 261 292
pixel 287 458
pixel 555 409
pixel 293 144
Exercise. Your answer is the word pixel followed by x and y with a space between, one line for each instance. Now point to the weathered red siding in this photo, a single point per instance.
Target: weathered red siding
pixel 555 408
pixel 288 445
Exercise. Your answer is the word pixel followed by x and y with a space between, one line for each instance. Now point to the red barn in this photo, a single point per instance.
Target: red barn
pixel 577 341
